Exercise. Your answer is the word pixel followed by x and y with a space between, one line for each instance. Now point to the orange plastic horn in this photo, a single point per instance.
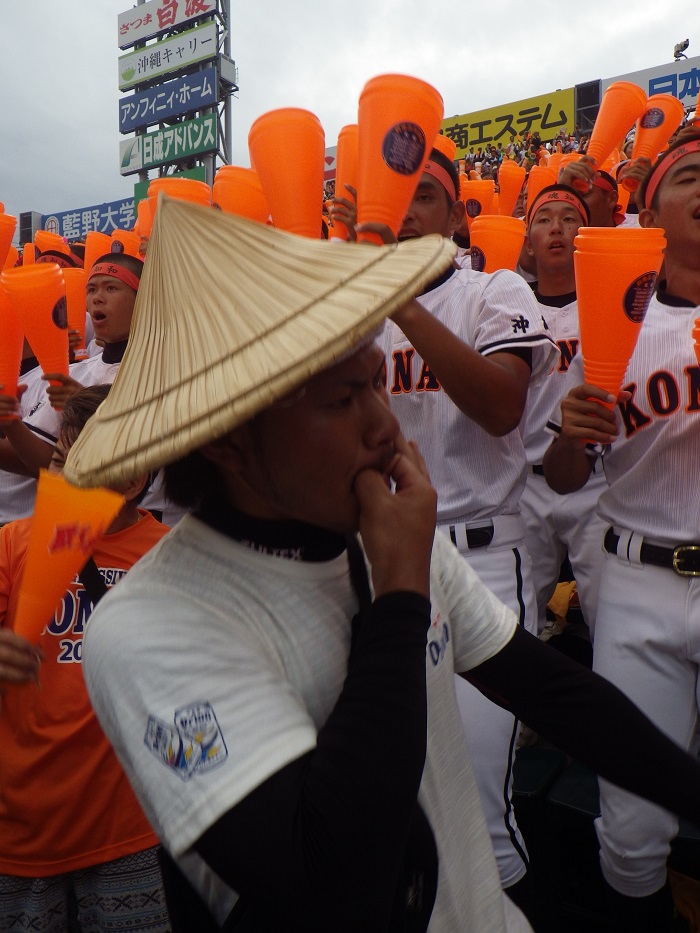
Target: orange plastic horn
pixel 445 145
pixel 66 526
pixel 398 119
pixel 186 189
pixel 622 105
pixel 75 281
pixel 237 190
pixel 11 258
pixel 11 340
pixel 143 212
pixel 28 254
pixel 129 241
pixel 38 295
pixel 8 224
pixel 616 271
pixel 537 179
pixel 96 245
pixel 654 129
pixel 44 239
pixel 510 183
pixel 293 186
pixel 496 242
pixel 477 195
pixel 345 173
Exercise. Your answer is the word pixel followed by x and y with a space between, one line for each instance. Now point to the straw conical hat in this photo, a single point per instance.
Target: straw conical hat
pixel 230 316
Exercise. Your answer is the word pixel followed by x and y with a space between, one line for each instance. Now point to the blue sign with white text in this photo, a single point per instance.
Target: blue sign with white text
pixel 191 92
pixel 103 218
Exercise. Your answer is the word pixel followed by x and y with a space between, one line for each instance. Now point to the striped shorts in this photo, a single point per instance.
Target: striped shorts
pixel 122 896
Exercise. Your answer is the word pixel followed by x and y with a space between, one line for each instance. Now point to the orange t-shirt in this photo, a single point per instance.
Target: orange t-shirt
pixel 65 802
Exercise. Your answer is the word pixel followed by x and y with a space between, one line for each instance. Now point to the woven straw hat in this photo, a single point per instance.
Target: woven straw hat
pixel 230 316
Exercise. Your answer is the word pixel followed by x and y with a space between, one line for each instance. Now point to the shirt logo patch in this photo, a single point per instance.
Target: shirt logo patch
pixel 193 745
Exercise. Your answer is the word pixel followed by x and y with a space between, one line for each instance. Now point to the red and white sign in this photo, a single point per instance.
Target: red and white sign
pixel 158 16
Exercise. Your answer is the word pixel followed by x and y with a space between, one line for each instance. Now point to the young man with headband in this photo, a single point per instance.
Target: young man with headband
pixel 648 618
pixel 557 525
pixel 460 362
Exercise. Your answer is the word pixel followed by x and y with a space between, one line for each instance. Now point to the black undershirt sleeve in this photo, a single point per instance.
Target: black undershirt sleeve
pixel 331 828
pixel 588 718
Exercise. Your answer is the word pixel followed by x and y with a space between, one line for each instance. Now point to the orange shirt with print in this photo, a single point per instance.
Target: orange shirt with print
pixel 65 802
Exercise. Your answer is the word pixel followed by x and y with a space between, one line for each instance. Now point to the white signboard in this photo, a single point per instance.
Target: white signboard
pixel 158 16
pixel 174 54
pixel 681 79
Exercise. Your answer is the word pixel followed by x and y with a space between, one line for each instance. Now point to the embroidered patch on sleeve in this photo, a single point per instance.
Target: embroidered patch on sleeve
pixel 192 745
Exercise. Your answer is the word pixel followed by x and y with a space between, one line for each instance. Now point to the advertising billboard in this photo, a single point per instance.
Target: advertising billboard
pixel 156 104
pixel 681 79
pixel 168 55
pixel 171 144
pixel 158 16
pixel 103 218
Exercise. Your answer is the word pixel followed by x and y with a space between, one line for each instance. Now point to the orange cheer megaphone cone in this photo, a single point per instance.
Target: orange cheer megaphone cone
pixel 538 178
pixel 128 240
pixel 345 173
pixel 186 189
pixel 477 196
pixel 143 212
pixel 8 224
pixel 654 129
pixel 28 254
pixel 10 259
pixel 75 281
pixel 11 341
pixel 237 190
pixel 622 105
pixel 555 161
pixel 496 242
pixel 293 185
pixel 45 240
pixel 66 526
pixel 398 119
pixel 96 245
pixel 510 183
pixel 616 272
pixel 445 145
pixel 38 296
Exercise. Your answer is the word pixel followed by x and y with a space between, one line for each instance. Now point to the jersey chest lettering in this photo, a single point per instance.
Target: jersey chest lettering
pixel 404 377
pixel 664 397
pixel 567 350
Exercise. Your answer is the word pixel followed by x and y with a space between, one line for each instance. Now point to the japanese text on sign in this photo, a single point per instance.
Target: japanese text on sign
pixel 546 115
pixel 157 16
pixel 103 218
pixel 159 103
pixel 192 137
pixel 174 54
pixel 681 79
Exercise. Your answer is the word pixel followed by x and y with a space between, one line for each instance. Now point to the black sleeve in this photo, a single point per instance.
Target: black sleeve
pixel 588 718
pixel 330 828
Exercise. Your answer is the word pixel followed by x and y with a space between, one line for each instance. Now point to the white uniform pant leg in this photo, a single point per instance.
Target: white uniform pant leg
pixel 491 731
pixel 582 530
pixel 546 549
pixel 648 644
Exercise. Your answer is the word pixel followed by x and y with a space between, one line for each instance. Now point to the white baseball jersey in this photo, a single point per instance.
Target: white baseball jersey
pixel 17 493
pixel 476 475
pixel 651 468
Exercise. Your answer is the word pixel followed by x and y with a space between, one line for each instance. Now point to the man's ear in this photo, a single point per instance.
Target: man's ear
pixel 647 218
pixel 458 216
pixel 230 451
pixel 132 489
pixel 527 246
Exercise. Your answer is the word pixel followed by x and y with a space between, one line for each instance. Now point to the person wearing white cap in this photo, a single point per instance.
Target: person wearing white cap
pixel 281 695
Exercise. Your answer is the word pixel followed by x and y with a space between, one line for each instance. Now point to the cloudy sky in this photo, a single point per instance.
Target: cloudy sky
pixel 59 148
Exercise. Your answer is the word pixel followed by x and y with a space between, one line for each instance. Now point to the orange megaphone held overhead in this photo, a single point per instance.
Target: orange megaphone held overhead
pixel 510 182
pixel 11 340
pixel 654 129
pixel 8 223
pixel 237 190
pixel 345 173
pixel 293 186
pixel 622 105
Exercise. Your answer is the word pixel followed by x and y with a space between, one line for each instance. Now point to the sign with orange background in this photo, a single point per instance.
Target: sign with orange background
pixel 547 115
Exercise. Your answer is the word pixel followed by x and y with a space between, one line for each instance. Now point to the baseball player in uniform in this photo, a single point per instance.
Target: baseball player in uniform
pixel 557 525
pixel 458 372
pixel 648 621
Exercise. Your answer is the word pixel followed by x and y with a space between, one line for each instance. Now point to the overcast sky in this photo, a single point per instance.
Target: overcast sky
pixel 59 147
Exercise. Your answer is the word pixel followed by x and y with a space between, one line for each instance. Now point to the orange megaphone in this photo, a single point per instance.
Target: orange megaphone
pixel 477 195
pixel 38 295
pixel 66 525
pixel 445 145
pixel 654 129
pixel 10 259
pixel 237 190
pixel 510 183
pixel 8 224
pixel 96 245
pixel 345 173
pixel 294 187
pixel 143 213
pixel 398 119
pixel 11 341
pixel 129 241
pixel 28 254
pixel 75 281
pixel 538 178
pixel 44 240
pixel 622 105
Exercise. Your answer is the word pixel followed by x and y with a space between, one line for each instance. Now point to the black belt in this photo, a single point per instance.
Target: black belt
pixel 476 537
pixel 684 559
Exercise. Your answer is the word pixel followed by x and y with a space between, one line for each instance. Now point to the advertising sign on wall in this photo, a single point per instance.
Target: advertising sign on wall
pixel 172 144
pixel 158 16
pixel 156 104
pixel 174 54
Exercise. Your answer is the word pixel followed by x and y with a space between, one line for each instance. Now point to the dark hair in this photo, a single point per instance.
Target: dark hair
pixel 125 260
pixel 686 135
pixel 449 166
pixel 190 479
pixel 80 407
pixel 568 190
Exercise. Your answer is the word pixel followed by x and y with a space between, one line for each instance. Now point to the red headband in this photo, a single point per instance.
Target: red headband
pixel 562 197
pixel 117 272
pixel 665 164
pixel 443 176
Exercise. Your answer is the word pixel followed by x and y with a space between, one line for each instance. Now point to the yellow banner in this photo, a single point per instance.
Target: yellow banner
pixel 546 115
